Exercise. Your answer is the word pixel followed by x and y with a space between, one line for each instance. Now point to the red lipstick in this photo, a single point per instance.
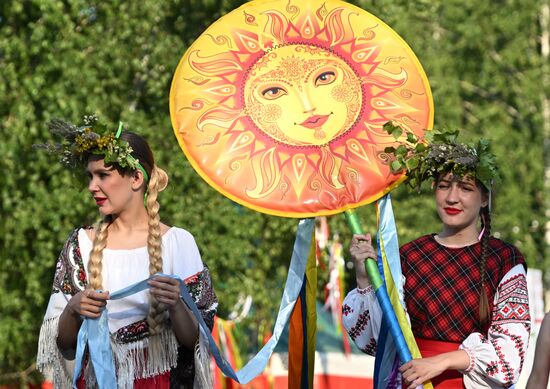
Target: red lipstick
pixel 315 121
pixel 452 211
pixel 100 200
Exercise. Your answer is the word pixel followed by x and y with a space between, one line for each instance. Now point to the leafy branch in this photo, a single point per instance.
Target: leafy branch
pixel 438 153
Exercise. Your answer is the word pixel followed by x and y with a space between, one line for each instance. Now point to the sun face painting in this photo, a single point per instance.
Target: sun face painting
pixel 318 93
pixel 280 105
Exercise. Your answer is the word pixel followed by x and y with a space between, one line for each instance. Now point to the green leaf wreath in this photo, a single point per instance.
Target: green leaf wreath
pixel 439 153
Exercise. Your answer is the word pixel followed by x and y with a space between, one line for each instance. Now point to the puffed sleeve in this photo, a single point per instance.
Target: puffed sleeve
pixel 362 317
pixel 497 359
pixel 183 259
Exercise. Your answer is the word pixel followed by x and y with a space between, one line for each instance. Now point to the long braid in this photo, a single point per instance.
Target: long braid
pixel 483 299
pixel 96 254
pixel 158 179
pixel 157 182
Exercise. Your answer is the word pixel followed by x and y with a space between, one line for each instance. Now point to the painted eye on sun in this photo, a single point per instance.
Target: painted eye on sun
pixel 273 92
pixel 325 78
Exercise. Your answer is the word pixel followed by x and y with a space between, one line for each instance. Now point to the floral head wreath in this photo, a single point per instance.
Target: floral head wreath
pixel 439 153
pixel 92 138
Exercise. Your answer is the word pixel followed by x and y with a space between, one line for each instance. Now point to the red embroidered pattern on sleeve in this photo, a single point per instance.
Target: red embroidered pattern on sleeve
pixel 519 346
pixel 513 302
pixel 360 325
pixel 492 368
pixel 512 308
pixel 370 348
pixel 472 360
pixel 346 309
pixel 505 368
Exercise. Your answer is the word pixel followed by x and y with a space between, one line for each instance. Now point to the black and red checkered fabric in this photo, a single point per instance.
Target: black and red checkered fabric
pixel 442 285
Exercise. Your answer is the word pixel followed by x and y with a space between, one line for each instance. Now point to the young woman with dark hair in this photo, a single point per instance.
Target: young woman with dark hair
pixel 465 291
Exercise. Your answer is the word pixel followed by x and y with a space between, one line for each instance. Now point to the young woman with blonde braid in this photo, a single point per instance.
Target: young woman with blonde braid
pixel 465 292
pixel 154 336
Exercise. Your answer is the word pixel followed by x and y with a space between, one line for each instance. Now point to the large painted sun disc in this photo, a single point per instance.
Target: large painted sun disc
pixel 279 105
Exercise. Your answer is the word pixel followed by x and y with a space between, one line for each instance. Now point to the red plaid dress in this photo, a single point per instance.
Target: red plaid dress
pixel 443 284
pixel 441 293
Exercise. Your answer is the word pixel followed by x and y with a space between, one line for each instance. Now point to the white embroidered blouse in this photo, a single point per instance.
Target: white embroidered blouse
pixel 126 317
pixel 496 358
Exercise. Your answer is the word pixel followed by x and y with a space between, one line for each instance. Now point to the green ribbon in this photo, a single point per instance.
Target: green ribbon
pixel 131 158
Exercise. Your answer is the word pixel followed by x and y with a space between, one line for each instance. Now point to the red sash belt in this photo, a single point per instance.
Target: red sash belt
pixel 449 379
pixel 161 381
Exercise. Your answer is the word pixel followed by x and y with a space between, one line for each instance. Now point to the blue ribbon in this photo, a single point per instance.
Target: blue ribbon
pixel 387 231
pixel 95 332
pixel 387 237
pixel 390 349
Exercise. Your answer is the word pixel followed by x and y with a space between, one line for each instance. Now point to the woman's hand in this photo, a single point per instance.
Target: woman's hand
pixel 361 249
pixel 88 303
pixel 185 326
pixel 166 290
pixel 418 371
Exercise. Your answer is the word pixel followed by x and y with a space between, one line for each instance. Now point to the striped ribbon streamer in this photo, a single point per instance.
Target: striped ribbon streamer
pixel 388 315
pixel 95 333
pixel 390 263
pixel 303 328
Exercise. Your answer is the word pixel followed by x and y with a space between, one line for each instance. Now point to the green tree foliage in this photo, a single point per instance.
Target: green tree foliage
pixel 64 58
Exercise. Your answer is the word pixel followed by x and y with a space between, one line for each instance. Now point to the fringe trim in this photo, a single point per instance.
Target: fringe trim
pixel 145 358
pixel 49 360
pixel 203 369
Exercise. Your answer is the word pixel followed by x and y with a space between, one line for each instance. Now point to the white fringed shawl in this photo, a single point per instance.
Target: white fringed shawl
pixel 120 269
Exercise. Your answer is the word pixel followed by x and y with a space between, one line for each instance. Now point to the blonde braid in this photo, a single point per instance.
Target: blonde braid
pixel 95 279
pixel 157 183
